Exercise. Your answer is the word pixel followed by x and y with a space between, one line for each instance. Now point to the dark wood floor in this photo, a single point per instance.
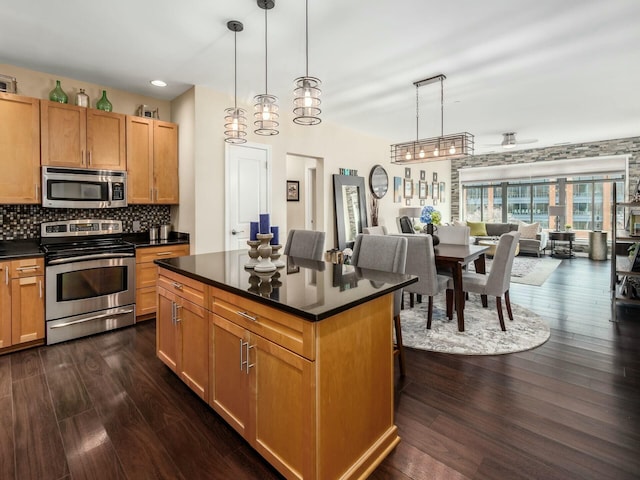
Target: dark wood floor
pixel 105 408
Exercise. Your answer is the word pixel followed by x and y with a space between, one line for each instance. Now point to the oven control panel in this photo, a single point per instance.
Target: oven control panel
pixel 80 227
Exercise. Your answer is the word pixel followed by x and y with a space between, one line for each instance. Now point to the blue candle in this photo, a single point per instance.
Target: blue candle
pixel 254 231
pixel 276 236
pixel 264 223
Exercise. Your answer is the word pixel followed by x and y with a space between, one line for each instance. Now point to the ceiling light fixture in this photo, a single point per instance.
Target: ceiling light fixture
pixel 235 120
pixel 509 140
pixel 266 108
pixel 306 100
pixel 158 83
pixel 456 145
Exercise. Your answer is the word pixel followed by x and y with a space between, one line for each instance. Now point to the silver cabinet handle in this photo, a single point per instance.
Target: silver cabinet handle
pixel 28 268
pixel 40 288
pixel 247 316
pixel 173 312
pixel 161 254
pixel 178 319
pixel 89 158
pixel 242 361
pixel 37 192
pixel 177 285
pixel 249 365
pixel 95 317
pixel 151 194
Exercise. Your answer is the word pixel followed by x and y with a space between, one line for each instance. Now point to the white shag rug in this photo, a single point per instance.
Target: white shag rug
pixel 482 335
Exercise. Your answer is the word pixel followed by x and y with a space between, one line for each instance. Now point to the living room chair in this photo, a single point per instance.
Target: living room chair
pixel 378 230
pixel 387 253
pixel 423 264
pixel 452 234
pixel 305 244
pixel 497 282
pixel 405 225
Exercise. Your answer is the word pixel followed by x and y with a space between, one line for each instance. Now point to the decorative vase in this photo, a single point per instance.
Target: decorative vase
pixel 430 228
pixel 57 94
pixel 104 103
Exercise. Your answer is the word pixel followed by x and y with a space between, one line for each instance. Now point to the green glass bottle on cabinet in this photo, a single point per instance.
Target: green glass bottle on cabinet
pixel 104 103
pixel 57 94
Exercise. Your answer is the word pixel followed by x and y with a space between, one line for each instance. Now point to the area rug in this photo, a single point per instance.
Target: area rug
pixel 530 270
pixel 482 335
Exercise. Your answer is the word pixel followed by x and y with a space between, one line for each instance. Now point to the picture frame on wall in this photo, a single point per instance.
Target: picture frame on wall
pixel 422 203
pixel 293 191
pixel 435 190
pixel 423 175
pixel 397 190
pixel 422 190
pixel 407 202
pixel 408 188
pixel 435 176
pixel 407 172
pixel 442 194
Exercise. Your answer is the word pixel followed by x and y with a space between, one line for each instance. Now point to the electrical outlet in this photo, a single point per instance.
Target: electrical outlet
pixel 136 225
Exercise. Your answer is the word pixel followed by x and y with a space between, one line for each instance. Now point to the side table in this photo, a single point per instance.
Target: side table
pixel 562 237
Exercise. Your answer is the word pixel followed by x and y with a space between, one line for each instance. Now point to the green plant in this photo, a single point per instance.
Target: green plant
pixel 567 226
pixel 633 248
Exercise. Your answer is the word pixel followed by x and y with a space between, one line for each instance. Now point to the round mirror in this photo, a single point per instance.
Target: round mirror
pixel 379 181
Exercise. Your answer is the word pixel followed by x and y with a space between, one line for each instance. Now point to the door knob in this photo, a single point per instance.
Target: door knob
pixel 235 232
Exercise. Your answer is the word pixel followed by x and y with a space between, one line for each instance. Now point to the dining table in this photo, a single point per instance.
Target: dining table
pixel 454 257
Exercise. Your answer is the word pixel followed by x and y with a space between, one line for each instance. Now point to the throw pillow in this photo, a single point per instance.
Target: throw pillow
pixel 458 223
pixel 478 229
pixel 528 230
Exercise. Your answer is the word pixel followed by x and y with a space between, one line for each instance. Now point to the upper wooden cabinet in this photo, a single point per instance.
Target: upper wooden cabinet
pixel 152 161
pixel 74 136
pixel 19 149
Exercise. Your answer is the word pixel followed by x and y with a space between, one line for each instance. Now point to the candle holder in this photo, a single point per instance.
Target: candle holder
pixel 264 252
pixel 275 256
pixel 253 254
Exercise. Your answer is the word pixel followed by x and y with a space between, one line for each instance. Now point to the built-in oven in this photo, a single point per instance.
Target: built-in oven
pixel 83 188
pixel 89 278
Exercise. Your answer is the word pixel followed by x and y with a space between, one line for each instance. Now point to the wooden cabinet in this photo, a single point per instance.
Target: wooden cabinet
pixel 182 331
pixel 81 137
pixel 147 275
pixel 20 149
pixel 152 161
pixel 22 303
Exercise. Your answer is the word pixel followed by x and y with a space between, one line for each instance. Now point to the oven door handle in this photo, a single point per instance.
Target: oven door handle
pixel 96 256
pixel 95 317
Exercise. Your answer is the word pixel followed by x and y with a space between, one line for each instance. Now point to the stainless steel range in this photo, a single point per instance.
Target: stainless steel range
pixel 89 278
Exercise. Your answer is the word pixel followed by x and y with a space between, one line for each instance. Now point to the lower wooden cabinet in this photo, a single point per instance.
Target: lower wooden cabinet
pixel 147 275
pixel 21 303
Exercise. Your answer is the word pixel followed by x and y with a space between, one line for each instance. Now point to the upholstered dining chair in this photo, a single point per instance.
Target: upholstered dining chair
pixel 386 253
pixel 404 224
pixel 422 263
pixel 497 282
pixel 305 244
pixel 378 230
pixel 454 234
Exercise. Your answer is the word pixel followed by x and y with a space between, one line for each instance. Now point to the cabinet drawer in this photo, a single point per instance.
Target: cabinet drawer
pixel 192 290
pixel 149 254
pixel 286 330
pixel 27 267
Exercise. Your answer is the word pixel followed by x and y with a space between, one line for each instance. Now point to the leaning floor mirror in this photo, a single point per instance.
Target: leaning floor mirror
pixel 350 208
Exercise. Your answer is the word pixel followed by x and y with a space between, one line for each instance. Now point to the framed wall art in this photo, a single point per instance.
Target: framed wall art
pixel 407 172
pixel 442 194
pixel 397 190
pixel 423 175
pixel 293 191
pixel 435 176
pixel 422 190
pixel 435 190
pixel 408 188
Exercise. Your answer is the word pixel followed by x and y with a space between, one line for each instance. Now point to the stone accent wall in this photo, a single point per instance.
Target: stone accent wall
pixel 623 146
pixel 23 221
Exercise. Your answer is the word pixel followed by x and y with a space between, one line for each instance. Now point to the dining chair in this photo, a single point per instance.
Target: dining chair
pixel 453 234
pixel 305 244
pixel 422 263
pixel 497 282
pixel 404 224
pixel 378 230
pixel 387 253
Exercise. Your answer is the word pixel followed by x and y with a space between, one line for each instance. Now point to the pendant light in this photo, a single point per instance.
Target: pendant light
pixel 266 108
pixel 235 118
pixel 306 100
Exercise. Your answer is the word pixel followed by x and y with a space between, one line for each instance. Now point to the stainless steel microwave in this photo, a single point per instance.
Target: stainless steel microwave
pixel 83 188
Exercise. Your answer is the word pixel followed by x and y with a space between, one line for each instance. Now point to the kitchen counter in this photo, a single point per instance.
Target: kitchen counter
pixel 142 239
pixel 310 290
pixel 14 249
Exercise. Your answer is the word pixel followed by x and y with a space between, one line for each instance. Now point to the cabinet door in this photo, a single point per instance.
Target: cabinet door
pixel 165 162
pixel 5 306
pixel 283 406
pixel 27 309
pixel 63 134
pixel 230 382
pixel 166 330
pixel 20 147
pixel 139 160
pixel 106 140
pixel 193 365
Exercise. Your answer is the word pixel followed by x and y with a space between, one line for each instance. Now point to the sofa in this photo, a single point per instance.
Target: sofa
pixel 532 239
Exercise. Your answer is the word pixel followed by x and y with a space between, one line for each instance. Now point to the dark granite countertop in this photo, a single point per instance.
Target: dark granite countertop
pixel 142 239
pixel 14 249
pixel 311 290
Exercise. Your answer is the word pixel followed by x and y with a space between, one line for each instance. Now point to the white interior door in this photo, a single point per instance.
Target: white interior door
pixel 247 192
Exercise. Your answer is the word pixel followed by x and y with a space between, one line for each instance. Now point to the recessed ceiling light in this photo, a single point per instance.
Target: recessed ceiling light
pixel 158 83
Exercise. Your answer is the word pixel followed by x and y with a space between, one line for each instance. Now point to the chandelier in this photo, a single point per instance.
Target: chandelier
pixel 443 147
pixel 235 120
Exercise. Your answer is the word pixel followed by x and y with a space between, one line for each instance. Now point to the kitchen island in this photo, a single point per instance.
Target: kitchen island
pixel 299 362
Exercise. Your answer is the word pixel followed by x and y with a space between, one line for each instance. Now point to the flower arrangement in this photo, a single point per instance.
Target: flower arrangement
pixel 430 215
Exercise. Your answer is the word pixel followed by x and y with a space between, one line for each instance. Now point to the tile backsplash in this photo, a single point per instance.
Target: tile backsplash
pixel 23 221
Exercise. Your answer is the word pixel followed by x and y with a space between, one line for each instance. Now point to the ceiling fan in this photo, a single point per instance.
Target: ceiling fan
pixel 509 141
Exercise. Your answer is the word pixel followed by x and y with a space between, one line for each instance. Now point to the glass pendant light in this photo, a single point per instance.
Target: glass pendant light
pixel 235 120
pixel 266 107
pixel 306 100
